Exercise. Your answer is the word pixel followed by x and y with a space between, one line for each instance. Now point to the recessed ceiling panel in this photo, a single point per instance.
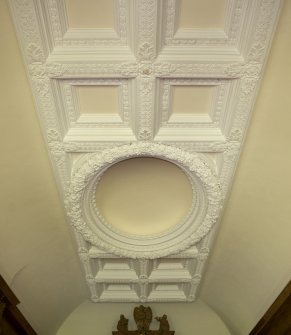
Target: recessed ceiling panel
pixel 198 107
pixel 98 99
pixel 90 13
pixel 144 106
pixel 191 99
pixel 202 14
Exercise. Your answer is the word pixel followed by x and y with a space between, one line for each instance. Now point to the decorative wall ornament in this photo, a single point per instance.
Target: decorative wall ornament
pixel 88 222
pixel 145 53
pixel 143 317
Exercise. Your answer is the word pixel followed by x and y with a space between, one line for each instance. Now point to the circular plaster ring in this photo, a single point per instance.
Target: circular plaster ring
pixel 87 221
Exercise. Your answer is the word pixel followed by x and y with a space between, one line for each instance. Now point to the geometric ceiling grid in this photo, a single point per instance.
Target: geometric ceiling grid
pixel 117 81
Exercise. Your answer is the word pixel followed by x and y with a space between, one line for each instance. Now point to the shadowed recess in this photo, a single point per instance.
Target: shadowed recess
pixel 205 14
pixel 144 195
pixel 90 13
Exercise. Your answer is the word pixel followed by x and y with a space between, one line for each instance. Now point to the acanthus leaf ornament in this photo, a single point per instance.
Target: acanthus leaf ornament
pixel 248 70
pixel 146 52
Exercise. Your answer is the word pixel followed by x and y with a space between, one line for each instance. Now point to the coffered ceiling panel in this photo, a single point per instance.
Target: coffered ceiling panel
pixel 207 14
pixel 144 106
pixel 90 14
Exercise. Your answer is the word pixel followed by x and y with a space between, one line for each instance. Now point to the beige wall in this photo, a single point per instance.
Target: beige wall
pixel 250 262
pixel 36 253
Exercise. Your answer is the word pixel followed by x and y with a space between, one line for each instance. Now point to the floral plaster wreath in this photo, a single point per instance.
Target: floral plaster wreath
pixel 86 219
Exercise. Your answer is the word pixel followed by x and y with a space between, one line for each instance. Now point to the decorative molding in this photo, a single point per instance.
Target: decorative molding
pixel 64 36
pixel 247 70
pixel 203 70
pixel 145 55
pixel 264 28
pixel 26 22
pixel 146 52
pixel 228 36
pixel 66 89
pixel 143 278
pixel 94 229
pixel 211 119
pixel 145 122
pixel 147 30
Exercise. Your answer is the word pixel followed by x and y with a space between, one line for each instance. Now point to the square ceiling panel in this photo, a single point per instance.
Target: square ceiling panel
pixel 191 99
pixel 197 107
pixel 98 99
pixel 172 80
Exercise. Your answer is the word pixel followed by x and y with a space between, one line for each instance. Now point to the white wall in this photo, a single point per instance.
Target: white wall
pixel 250 262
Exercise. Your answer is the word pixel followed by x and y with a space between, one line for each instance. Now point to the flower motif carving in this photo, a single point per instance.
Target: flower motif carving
pixel 144 134
pixel 146 68
pixel 203 254
pixel 34 53
pixel 56 146
pixel 164 69
pixel 146 52
pixel 248 70
pixel 128 69
pixel 143 298
pixel 43 71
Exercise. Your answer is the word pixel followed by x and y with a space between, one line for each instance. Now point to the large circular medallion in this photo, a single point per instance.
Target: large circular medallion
pixel 104 216
pixel 144 195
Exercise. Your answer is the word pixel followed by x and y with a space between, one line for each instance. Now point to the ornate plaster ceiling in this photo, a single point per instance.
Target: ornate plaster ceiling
pixel 131 82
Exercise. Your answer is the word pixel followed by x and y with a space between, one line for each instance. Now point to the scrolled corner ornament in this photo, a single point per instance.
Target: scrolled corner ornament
pixel 85 218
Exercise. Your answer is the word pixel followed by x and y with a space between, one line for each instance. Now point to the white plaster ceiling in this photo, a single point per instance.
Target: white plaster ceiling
pixel 144 106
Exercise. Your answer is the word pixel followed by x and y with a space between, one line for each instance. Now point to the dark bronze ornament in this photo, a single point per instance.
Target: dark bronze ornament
pixel 143 317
